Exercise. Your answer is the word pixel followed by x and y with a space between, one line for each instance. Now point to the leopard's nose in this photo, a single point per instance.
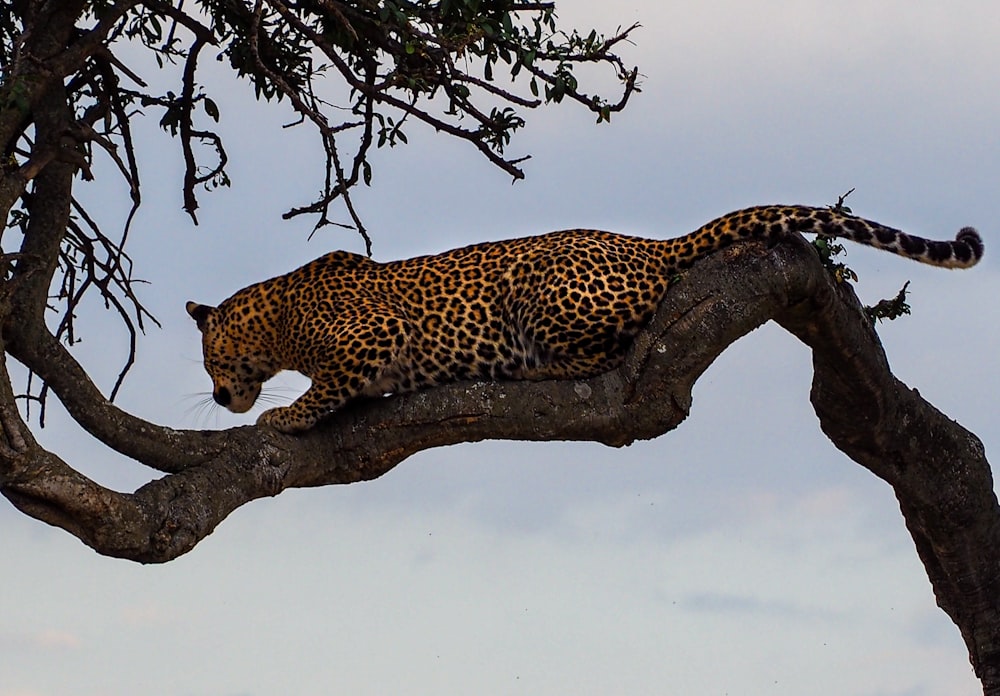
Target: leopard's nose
pixel 222 396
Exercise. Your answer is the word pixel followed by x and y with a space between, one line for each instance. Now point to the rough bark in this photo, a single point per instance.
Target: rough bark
pixel 937 468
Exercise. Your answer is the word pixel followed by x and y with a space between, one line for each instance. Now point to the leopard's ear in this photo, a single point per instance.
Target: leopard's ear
pixel 200 313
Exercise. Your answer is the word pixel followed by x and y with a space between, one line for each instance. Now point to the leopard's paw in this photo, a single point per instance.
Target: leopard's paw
pixel 284 420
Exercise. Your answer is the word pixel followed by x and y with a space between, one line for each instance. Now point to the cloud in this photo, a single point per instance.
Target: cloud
pixel 735 605
pixel 141 615
pixel 46 640
pixel 53 639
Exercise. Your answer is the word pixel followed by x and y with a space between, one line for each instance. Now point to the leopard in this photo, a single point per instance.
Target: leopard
pixel 562 305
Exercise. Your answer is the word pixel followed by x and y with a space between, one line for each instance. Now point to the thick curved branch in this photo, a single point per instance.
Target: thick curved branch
pixel 163 449
pixel 724 298
pixel 647 397
pixel 52 197
pixel 937 469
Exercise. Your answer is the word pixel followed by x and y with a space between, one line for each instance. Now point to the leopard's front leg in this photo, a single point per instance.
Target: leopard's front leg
pixel 327 394
pixel 351 360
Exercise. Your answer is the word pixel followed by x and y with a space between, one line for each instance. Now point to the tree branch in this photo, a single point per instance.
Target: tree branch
pixel 163 449
pixel 938 469
pixel 187 106
pixel 648 396
pixel 51 197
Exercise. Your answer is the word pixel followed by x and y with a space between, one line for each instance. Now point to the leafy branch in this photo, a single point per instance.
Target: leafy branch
pixel 890 309
pixel 828 249
pixel 360 72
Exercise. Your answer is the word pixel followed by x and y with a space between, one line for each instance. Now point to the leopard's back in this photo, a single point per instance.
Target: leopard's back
pixel 523 308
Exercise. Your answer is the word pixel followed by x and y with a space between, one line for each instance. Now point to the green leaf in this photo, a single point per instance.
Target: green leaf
pixel 507 23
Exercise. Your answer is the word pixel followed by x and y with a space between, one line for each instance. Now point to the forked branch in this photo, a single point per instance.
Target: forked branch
pixel 937 468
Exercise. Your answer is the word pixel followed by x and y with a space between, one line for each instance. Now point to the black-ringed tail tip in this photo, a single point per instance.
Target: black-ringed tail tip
pixel 964 252
pixel 969 237
pixel 773 222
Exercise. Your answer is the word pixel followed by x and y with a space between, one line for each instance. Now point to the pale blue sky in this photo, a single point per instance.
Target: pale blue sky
pixel 741 554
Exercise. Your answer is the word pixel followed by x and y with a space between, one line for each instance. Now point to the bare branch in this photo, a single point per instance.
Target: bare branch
pixel 187 105
pixel 179 16
pixel 161 448
pixel 105 55
pixel 504 94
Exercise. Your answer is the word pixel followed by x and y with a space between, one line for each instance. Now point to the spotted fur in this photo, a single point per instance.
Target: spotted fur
pixel 563 305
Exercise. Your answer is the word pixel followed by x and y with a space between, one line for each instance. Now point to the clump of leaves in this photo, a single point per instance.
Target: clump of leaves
pixel 829 248
pixel 890 309
pixel 467 68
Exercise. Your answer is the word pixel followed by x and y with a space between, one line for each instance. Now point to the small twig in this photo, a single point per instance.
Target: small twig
pixel 200 31
pixel 187 106
pixel 106 54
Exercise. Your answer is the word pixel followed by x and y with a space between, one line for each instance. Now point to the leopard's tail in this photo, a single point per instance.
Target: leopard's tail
pixel 777 221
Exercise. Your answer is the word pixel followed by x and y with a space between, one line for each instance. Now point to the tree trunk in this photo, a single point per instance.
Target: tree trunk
pixel 936 467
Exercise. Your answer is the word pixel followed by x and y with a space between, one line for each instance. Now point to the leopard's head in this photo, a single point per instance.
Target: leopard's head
pixel 235 357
